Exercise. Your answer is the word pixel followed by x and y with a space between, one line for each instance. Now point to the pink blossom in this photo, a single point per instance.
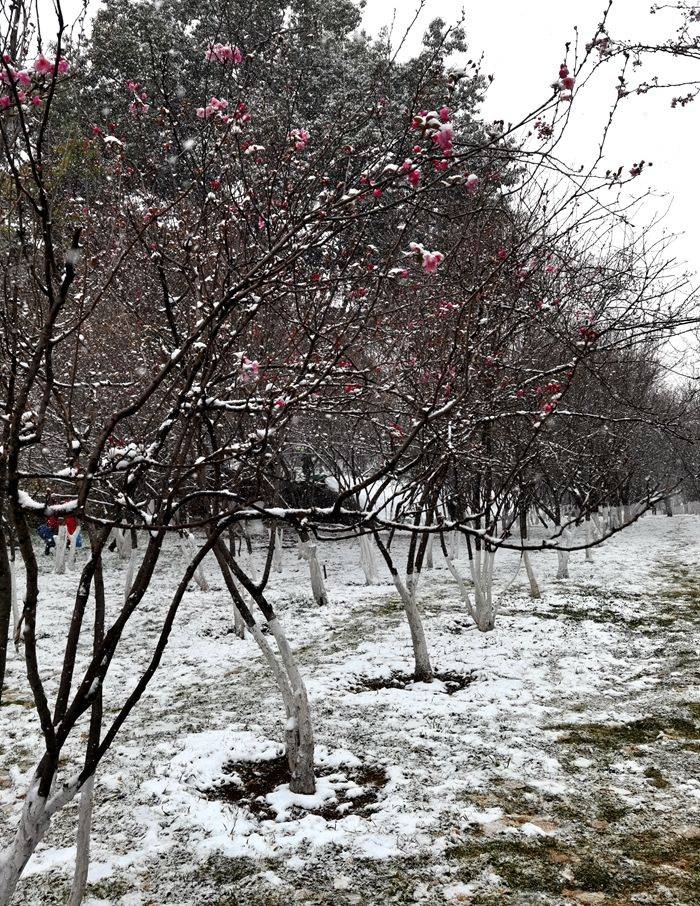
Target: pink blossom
pixel 431 260
pixel 24 79
pixel 36 100
pixel 63 66
pixel 280 402
pixel 444 113
pixel 472 182
pixel 42 65
pixel 5 102
pixel 223 53
pixel 414 177
pixel 251 369
pixel 377 193
pixel 443 137
pixel 406 166
pixel 217 104
pixel 300 137
pixel 502 254
pixel 441 165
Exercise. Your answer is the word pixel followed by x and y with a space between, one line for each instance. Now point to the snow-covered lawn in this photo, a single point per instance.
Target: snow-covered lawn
pixel 568 770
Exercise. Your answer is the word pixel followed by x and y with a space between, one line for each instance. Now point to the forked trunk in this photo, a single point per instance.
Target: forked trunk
pixel 33 824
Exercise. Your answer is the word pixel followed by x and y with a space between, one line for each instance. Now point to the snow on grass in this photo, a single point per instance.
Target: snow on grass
pixel 574 717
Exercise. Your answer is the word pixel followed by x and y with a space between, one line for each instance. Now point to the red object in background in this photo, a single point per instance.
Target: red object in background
pixel 52 523
pixel 71 524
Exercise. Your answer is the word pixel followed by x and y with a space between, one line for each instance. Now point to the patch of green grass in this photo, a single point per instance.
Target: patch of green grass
pixel 636 732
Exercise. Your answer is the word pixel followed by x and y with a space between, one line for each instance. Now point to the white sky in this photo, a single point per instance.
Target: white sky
pixel 523 45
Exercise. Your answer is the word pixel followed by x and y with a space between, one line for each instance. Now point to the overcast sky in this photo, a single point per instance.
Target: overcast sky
pixel 523 44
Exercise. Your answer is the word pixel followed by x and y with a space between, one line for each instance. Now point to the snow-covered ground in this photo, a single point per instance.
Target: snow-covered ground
pixel 568 770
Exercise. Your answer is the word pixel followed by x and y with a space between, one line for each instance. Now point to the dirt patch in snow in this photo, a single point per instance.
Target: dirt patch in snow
pixel 357 789
pixel 451 680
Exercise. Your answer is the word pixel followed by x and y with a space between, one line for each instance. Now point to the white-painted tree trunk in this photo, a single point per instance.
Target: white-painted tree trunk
pixel 189 551
pixel 303 780
pixel 367 561
pixel 33 824
pixel 82 849
pixel 429 564
pixel 71 550
pixel 123 539
pixel 130 570
pixel 60 550
pixel 309 552
pixel 481 566
pixel 407 592
pixel 563 556
pixel 277 550
pixel 531 577
pixel 589 540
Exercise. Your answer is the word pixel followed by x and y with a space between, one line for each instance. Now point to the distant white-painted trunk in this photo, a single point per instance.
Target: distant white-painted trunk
pixel 589 540
pixel 123 539
pixel 82 849
pixel 429 552
pixel 563 555
pixel 531 577
pixel 309 552
pixel 130 570
pixel 277 550
pixel 71 551
pixel 60 550
pixel 189 550
pixel 367 561
pixel 481 566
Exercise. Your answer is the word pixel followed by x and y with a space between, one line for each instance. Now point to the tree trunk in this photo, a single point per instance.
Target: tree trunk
pixel 367 560
pixel 308 550
pixel 33 824
pixel 407 593
pixel 303 780
pixel 82 853
pixel 277 549
pixel 531 577
pixel 60 552
pixel 6 589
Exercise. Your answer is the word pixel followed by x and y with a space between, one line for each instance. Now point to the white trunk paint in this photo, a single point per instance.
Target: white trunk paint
pixel 303 780
pixel 407 593
pixel 82 849
pixel 531 577
pixel 70 555
pixel 33 824
pixel 429 552
pixel 481 566
pixel 565 537
pixel 129 577
pixel 318 588
pixel 189 550
pixel 60 551
pixel 367 561
pixel 276 550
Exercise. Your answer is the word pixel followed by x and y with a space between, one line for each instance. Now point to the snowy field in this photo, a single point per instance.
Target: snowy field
pixel 566 771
